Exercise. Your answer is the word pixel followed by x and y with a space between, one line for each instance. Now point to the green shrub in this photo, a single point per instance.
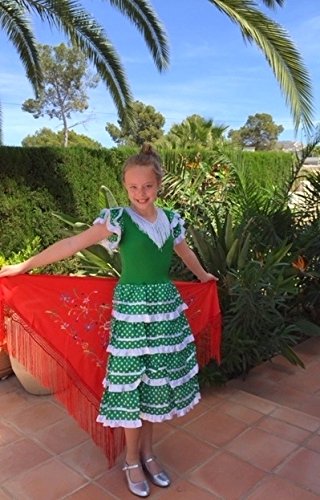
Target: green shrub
pixel 269 168
pixel 34 182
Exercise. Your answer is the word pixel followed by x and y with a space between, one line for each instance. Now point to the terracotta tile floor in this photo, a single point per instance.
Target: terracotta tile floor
pixel 256 439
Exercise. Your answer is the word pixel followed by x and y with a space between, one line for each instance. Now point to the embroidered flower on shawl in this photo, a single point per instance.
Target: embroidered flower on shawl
pixel 82 315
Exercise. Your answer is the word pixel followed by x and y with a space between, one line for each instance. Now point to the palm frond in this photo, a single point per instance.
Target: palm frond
pixel 139 12
pixel 17 27
pixel 90 37
pixel 308 208
pixel 299 161
pixel 282 56
pixel 86 33
pixel 142 15
pixel 273 3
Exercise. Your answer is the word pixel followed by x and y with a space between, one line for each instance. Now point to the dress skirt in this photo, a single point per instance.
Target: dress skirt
pixel 152 367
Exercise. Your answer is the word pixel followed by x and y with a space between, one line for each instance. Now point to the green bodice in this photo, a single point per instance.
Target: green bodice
pixel 142 261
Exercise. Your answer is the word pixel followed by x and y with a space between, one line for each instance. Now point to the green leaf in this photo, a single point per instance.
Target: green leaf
pixel 99 251
pixel 231 255
pixel 68 219
pixel 243 254
pixel 229 237
pixel 308 327
pixel 291 356
pixel 106 198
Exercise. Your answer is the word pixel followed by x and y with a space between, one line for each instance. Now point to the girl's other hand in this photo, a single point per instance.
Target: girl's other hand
pixel 209 277
pixel 12 270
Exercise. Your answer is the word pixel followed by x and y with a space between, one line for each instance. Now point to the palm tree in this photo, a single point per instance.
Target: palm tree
pixel 279 51
pixel 84 32
pixel 194 132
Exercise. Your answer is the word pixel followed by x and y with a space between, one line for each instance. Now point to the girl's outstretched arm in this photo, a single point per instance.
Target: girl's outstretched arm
pixel 59 250
pixel 191 261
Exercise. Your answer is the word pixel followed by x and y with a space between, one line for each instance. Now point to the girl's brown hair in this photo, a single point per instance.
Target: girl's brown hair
pixel 147 157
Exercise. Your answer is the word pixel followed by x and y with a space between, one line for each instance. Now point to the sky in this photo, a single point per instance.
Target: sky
pixel 212 71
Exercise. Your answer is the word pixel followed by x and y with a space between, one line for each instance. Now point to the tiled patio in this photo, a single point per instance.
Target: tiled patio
pixel 257 440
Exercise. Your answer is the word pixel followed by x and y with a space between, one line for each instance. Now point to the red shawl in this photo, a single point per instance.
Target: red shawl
pixel 58 328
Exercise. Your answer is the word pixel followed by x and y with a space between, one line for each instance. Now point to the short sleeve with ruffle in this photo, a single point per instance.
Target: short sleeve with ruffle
pixel 112 218
pixel 177 227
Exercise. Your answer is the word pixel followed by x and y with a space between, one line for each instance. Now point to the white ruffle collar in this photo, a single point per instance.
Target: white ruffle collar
pixel 158 231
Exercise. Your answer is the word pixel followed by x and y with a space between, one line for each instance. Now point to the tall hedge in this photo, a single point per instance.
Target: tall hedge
pixel 268 167
pixel 34 182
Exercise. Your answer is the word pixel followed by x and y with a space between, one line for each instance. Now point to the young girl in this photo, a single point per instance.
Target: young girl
pixel 152 367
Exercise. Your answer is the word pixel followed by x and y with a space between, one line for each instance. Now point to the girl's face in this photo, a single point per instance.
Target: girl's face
pixel 142 187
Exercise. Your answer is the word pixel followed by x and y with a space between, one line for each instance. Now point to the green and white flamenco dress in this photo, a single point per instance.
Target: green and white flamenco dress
pixel 152 367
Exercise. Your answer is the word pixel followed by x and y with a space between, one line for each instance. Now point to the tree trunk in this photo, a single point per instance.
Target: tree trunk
pixel 65 132
pixel 65 137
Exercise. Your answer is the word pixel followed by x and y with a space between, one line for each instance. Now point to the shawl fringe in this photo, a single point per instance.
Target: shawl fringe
pixel 56 374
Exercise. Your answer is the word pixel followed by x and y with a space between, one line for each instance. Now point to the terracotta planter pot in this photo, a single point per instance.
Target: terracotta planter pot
pixel 5 365
pixel 28 381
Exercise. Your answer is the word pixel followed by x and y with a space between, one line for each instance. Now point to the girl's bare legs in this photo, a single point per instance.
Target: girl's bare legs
pixel 139 448
pixel 133 440
pixel 146 439
pixel 146 447
pixel 155 471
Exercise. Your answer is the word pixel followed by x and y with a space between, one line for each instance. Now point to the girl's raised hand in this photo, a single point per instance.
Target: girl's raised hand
pixel 12 270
